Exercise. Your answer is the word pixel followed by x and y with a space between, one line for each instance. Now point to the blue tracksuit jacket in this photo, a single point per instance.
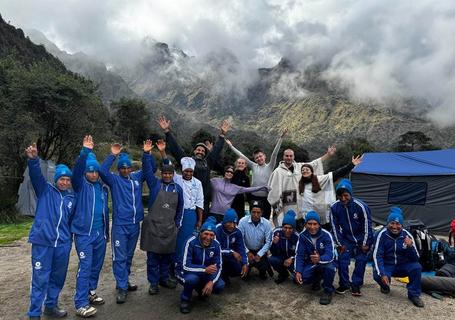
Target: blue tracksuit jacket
pixel 285 248
pixel 324 245
pixel 231 242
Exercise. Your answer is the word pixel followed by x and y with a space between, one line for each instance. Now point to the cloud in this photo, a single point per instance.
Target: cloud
pixel 377 50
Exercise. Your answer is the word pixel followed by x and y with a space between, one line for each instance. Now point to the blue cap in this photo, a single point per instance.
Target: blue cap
pixel 230 216
pixel 123 161
pixel 62 170
pixel 289 218
pixel 344 184
pixel 209 224
pixel 396 214
pixel 91 165
pixel 312 215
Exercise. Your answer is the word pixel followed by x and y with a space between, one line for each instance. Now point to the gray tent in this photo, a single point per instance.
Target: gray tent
pixel 420 183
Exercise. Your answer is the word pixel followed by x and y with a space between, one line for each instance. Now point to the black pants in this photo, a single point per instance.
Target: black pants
pixel 263 265
pixel 266 208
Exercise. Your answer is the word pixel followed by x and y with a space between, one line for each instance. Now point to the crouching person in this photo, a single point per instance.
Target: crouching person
pixel 200 266
pixel 283 247
pixel 235 261
pixel 395 254
pixel 50 237
pixel 314 258
pixel 90 226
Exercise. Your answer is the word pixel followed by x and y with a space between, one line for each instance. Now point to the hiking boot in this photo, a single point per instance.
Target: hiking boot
pixel 281 278
pixel 355 291
pixel 325 298
pixel 385 289
pixel 153 290
pixel 86 312
pixel 417 302
pixel 95 300
pixel 55 312
pixel 316 285
pixel 185 307
pixel 168 284
pixel 342 289
pixel 121 296
pixel 132 287
pixel 35 318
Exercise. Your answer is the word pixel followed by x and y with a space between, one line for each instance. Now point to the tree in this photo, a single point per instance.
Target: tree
pixel 131 120
pixel 345 151
pixel 414 141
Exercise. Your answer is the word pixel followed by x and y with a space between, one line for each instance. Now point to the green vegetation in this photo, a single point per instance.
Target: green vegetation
pixel 11 232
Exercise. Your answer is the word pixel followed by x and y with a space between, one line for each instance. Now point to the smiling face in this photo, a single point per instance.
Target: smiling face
pixel 229 226
pixel 240 164
pixel 92 176
pixel 187 174
pixel 259 157
pixel 288 157
pixel 167 176
pixel 306 172
pixel 287 230
pixel 394 227
pixel 312 226
pixel 125 171
pixel 206 237
pixel 63 183
pixel 345 197
pixel 199 152
pixel 228 173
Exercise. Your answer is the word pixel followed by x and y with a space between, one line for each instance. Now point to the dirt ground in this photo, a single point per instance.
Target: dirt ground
pixel 255 299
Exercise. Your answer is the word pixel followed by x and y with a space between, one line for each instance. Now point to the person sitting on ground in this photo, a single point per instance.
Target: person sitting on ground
pixel 353 235
pixel 283 247
pixel 257 234
pixel 241 179
pixel 50 236
pixel 315 257
pixel 395 254
pixel 235 260
pixel 200 266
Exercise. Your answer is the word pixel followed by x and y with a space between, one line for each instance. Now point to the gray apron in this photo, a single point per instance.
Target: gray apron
pixel 159 233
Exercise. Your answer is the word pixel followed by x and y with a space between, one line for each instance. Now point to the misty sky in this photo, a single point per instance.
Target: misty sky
pixel 378 49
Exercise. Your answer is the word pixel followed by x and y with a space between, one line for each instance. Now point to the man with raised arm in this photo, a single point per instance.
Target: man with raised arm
pixel 205 160
pixel 126 189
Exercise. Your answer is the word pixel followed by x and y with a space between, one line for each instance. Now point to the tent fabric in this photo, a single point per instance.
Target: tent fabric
pixel 422 163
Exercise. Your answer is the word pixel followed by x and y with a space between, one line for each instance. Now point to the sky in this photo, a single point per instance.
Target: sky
pixel 377 49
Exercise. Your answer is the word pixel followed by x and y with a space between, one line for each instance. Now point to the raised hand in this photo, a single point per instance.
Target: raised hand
pixel 209 145
pixel 285 131
pixel 148 146
pixel 357 160
pixel 164 123
pixel 161 145
pixel 331 150
pixel 31 151
pixel 224 127
pixel 88 142
pixel 116 148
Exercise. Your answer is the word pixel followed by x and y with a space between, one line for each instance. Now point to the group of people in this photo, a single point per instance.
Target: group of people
pixel 196 231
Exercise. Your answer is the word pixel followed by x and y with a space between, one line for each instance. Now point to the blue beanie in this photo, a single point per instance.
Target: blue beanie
pixel 91 165
pixel 396 214
pixel 62 170
pixel 230 216
pixel 123 161
pixel 312 215
pixel 344 184
pixel 209 224
pixel 289 218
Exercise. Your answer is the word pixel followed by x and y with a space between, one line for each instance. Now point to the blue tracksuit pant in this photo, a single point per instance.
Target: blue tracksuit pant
pixel 413 270
pixel 91 251
pixel 352 252
pixel 185 231
pixel 313 273
pixel 277 265
pixel 49 265
pixel 158 267
pixel 231 267
pixel 192 281
pixel 124 240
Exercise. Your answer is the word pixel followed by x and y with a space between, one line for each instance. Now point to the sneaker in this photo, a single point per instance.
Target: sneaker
pixel 326 298
pixel 185 307
pixel 153 290
pixel 121 296
pixel 417 302
pixel 355 291
pixel 316 285
pixel 86 312
pixel 132 287
pixel 94 299
pixel 55 312
pixel 385 289
pixel 168 284
pixel 342 289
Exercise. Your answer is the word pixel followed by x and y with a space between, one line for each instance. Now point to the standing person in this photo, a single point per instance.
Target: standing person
pixel 315 256
pixel 205 160
pixel 257 234
pixel 353 235
pixel 395 254
pixel 261 171
pixel 283 247
pixel 50 236
pixel 241 179
pixel 90 226
pixel 224 191
pixel 126 189
pixel 235 260
pixel 284 184
pixel 160 227
pixel 201 265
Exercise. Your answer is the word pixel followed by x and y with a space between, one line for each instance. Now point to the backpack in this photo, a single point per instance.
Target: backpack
pixel 426 244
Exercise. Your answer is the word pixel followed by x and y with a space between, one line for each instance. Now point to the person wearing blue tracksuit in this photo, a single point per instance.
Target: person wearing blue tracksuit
pixel 128 212
pixel 315 257
pixel 90 226
pixel 50 236
pixel 284 243
pixel 160 227
pixel 395 254
pixel 353 235
pixel 200 266
pixel 233 250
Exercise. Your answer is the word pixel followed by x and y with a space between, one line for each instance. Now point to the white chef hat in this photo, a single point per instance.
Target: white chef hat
pixel 188 163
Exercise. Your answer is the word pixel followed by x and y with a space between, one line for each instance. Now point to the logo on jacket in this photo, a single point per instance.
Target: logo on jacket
pixel 70 204
pixel 355 216
pixel 232 240
pixel 38 265
pixel 166 206
pixel 82 255
pixel 404 245
pixel 211 254
pixel 117 243
pixel 321 246
pixel 136 183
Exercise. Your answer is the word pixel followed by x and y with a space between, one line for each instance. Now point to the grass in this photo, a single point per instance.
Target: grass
pixel 10 232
